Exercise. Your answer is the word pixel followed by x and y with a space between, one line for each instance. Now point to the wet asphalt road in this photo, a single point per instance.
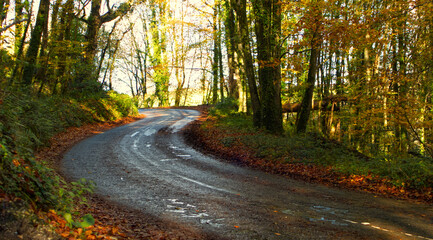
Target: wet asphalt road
pixel 147 166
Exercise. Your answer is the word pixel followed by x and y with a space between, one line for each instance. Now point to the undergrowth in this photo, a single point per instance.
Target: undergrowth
pixel 412 172
pixel 27 123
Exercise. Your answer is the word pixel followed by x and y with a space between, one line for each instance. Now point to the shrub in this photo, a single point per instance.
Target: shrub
pixel 125 105
pixel 39 186
pixel 227 107
pixel 27 123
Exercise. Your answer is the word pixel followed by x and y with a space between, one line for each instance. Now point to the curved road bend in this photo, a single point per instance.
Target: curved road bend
pixel 147 166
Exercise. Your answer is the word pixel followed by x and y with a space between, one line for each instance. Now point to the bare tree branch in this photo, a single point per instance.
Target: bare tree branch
pixel 12 24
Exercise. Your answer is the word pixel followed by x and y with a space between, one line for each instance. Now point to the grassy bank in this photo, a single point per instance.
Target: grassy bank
pixel 26 125
pixel 312 157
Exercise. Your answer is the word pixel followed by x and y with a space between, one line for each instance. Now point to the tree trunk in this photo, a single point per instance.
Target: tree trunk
pixel 43 55
pixel 94 23
pixel 19 28
pixel 215 57
pixel 18 67
pixel 220 55
pixel 307 100
pixel 230 26
pixel 35 42
pixel 315 13
pixel 64 37
pixel 245 51
pixel 268 32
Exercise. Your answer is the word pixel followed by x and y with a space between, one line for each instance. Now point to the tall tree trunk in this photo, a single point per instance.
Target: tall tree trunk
pixel 220 55
pixel 94 23
pixel 303 117
pixel 16 75
pixel 19 28
pixel 159 62
pixel 35 42
pixel 215 56
pixel 143 65
pixel 43 56
pixel 307 100
pixel 64 37
pixel 245 51
pixel 268 32
pixel 231 44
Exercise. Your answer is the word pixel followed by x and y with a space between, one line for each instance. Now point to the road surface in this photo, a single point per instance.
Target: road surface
pixel 147 166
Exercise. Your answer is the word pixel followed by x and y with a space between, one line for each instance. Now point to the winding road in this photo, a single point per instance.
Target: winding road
pixel 147 166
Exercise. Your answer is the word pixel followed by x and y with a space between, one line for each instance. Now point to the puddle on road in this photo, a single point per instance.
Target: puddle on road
pixel 288 212
pixel 174 201
pixel 332 221
pixel 319 214
pixel 189 211
pixel 173 147
pixel 322 209
pixel 198 215
pixel 211 222
pixel 177 210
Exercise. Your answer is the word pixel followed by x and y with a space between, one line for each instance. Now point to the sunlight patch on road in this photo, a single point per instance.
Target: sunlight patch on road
pixel 150 132
pixel 177 126
pixel 135 144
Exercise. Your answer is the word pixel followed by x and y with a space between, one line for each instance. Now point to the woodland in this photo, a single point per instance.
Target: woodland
pixel 351 72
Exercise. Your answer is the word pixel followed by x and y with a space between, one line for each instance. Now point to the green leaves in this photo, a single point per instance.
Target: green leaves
pixel 85 222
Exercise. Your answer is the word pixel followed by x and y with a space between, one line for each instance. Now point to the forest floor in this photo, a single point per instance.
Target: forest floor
pixel 116 222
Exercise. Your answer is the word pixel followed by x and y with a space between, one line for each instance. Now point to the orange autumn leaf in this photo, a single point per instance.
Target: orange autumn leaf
pixel 16 162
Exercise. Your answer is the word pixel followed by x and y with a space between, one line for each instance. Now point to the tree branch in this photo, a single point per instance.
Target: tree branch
pixel 108 5
pixel 12 24
pixel 318 104
pixel 297 52
pixel 120 11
